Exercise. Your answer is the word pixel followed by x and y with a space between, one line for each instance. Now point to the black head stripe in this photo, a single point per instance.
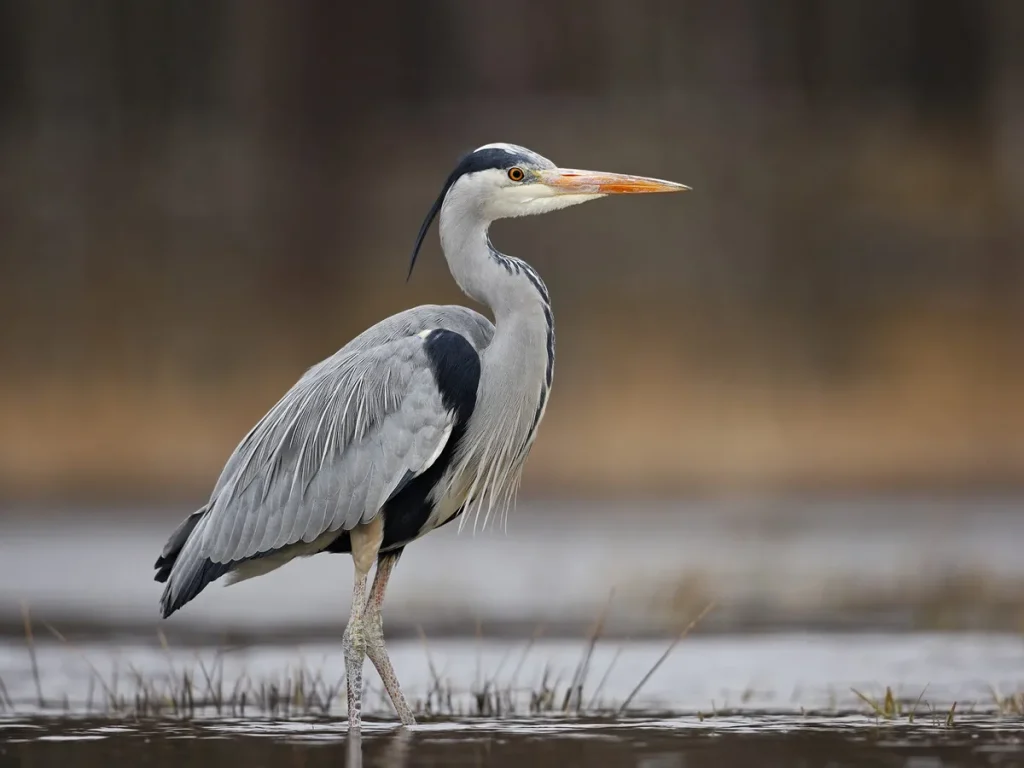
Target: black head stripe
pixel 481 160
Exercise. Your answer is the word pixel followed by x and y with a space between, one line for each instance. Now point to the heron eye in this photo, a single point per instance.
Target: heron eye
pixel 516 174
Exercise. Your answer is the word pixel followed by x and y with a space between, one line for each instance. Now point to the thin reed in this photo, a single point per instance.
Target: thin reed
pixel 200 689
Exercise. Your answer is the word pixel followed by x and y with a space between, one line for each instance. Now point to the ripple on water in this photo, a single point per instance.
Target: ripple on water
pixel 79 729
pixel 651 742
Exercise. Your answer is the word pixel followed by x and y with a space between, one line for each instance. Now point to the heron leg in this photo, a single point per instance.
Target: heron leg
pixel 366 540
pixel 354 644
pixel 374 633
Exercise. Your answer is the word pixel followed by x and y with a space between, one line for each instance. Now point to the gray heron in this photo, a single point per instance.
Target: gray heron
pixel 425 417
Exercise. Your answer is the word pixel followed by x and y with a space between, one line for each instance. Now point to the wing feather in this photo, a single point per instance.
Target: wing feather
pixel 349 434
pixel 329 453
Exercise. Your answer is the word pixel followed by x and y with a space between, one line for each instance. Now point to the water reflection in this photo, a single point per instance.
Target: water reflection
pixel 675 743
pixel 391 751
pixel 354 751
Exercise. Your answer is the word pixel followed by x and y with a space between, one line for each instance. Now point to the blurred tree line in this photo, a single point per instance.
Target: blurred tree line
pixel 198 200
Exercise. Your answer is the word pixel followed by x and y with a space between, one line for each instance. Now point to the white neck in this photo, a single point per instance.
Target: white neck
pixel 516 366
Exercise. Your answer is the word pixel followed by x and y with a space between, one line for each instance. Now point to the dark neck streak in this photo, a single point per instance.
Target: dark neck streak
pixel 518 364
pixel 516 266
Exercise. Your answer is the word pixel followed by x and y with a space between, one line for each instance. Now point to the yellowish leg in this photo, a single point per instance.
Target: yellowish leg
pixel 373 629
pixel 366 541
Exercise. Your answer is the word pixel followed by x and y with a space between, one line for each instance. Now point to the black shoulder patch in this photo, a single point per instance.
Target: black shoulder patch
pixel 456 368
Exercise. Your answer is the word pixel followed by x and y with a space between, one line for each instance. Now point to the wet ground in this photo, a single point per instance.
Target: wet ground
pixel 758 699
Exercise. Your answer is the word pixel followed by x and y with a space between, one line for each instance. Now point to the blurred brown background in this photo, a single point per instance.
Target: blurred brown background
pixel 199 200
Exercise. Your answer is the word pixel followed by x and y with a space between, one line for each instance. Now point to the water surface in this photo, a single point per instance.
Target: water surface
pixel 783 699
pixel 641 743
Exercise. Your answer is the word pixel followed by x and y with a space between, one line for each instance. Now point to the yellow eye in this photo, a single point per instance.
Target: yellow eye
pixel 516 174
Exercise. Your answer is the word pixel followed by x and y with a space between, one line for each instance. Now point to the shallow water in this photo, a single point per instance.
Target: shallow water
pixel 640 743
pixel 751 700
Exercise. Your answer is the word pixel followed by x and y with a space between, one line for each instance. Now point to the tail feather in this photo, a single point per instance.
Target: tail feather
pixel 175 542
pixel 191 574
pixel 193 582
pixel 186 572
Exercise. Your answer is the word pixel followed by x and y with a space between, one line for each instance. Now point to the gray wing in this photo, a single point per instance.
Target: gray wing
pixel 471 325
pixel 331 452
pixel 378 395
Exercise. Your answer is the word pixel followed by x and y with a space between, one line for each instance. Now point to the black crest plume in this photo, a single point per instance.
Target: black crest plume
pixel 425 226
pixel 480 160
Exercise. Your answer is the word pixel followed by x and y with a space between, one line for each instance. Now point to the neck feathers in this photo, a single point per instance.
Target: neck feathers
pixel 517 367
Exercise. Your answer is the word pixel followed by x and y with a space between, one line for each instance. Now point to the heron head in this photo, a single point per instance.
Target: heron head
pixel 501 181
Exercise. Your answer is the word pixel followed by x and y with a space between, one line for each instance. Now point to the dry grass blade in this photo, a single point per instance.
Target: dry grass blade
pixel 876 708
pixel 213 693
pixel 434 676
pixel 171 674
pixel 479 650
pixel 238 693
pixel 575 692
pixel 30 642
pixel 89 693
pixel 500 668
pixel 5 698
pixel 892 707
pixel 331 692
pixel 686 630
pixel 537 632
pixel 917 703
pixel 604 679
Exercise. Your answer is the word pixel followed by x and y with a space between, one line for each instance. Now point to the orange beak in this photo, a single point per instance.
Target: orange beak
pixel 567 181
